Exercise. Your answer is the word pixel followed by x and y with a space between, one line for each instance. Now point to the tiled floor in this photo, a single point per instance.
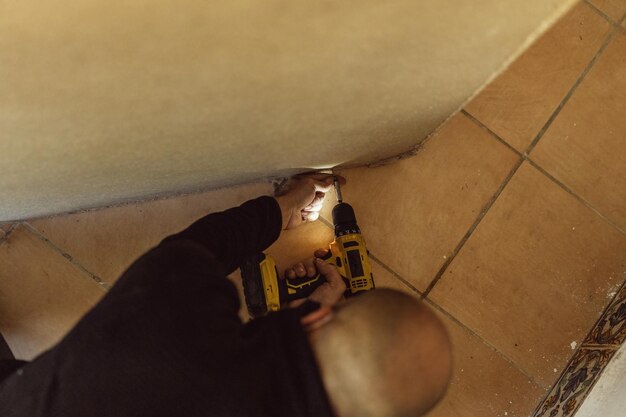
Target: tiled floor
pixel 518 103
pixel 584 152
pixel 536 245
pixel 510 221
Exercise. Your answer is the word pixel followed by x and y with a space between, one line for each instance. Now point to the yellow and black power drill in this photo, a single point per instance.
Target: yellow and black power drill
pixel 264 291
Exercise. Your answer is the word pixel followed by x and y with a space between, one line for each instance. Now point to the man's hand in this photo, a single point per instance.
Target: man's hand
pixel 301 198
pixel 330 292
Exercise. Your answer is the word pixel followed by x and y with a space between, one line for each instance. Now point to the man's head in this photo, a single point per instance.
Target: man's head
pixel 382 354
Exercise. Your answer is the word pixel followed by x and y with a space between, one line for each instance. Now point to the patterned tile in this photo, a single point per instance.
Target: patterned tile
pixel 575 383
pixel 610 330
pixel 606 396
pixel 535 274
pixel 587 364
pixel 518 103
pixel 413 213
pixel 585 148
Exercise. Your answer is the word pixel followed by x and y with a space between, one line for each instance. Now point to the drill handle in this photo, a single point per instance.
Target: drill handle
pixel 296 288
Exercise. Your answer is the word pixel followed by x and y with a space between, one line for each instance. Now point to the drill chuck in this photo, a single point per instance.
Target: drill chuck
pixel 344 220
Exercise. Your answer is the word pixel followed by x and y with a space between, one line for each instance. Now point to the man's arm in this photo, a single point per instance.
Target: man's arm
pixel 193 264
pixel 178 291
pixel 237 233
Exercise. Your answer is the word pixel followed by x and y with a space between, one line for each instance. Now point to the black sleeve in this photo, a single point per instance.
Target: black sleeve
pixel 237 233
pixel 8 366
pixel 176 296
pixel 193 264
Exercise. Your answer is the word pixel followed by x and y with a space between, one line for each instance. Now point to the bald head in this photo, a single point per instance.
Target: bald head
pixel 383 354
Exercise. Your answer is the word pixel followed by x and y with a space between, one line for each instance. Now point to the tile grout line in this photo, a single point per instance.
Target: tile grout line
pixel 103 284
pixel 7 233
pixel 600 12
pixel 491 132
pixel 326 222
pixel 396 275
pixel 570 92
pixel 548 175
pixel 384 265
pixel 483 212
pixel 579 198
pixel 597 347
pixel 486 343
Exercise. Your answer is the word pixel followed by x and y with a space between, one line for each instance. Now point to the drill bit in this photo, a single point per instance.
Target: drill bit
pixel 338 190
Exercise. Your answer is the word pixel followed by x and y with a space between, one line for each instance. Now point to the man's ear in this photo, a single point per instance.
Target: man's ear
pixel 316 319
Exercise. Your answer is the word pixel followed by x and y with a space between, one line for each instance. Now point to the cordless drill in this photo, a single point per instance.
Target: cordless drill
pixel 264 291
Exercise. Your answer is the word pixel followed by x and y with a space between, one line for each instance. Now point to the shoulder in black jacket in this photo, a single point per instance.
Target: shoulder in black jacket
pixel 166 340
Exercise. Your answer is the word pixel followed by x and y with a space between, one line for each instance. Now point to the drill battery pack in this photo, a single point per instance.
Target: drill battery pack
pixel 264 291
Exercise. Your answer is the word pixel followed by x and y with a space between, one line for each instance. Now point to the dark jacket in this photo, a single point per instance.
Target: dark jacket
pixel 166 340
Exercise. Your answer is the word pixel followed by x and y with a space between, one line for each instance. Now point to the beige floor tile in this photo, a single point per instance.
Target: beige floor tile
pixel 385 279
pixel 413 213
pixel 484 383
pixel 585 147
pixel 107 241
pixel 42 295
pixel 518 103
pixel 535 275
pixel 615 9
